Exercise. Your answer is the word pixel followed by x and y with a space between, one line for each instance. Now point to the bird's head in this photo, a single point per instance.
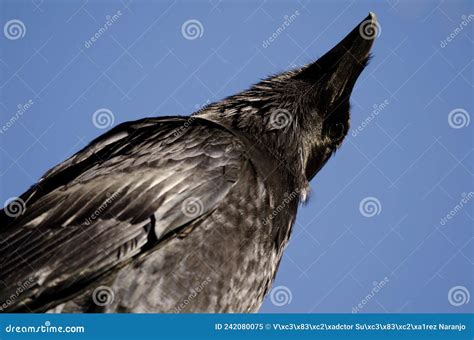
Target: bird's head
pixel 303 113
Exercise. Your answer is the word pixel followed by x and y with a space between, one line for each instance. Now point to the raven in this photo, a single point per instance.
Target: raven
pixel 181 214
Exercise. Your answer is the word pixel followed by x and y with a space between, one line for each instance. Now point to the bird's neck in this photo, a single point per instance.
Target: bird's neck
pixel 281 150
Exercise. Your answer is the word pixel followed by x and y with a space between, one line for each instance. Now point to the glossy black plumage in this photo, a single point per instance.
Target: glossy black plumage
pixel 155 208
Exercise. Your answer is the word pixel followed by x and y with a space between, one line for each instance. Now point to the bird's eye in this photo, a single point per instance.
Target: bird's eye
pixel 336 132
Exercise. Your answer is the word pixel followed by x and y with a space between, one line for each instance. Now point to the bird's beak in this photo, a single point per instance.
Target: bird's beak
pixel 355 47
pixel 341 66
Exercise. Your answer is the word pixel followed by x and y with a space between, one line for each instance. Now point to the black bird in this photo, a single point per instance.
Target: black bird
pixel 181 214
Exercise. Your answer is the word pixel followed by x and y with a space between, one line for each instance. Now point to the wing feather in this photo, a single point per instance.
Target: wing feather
pixel 96 210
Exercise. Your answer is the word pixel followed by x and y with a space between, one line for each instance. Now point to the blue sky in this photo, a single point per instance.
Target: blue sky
pixel 408 154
